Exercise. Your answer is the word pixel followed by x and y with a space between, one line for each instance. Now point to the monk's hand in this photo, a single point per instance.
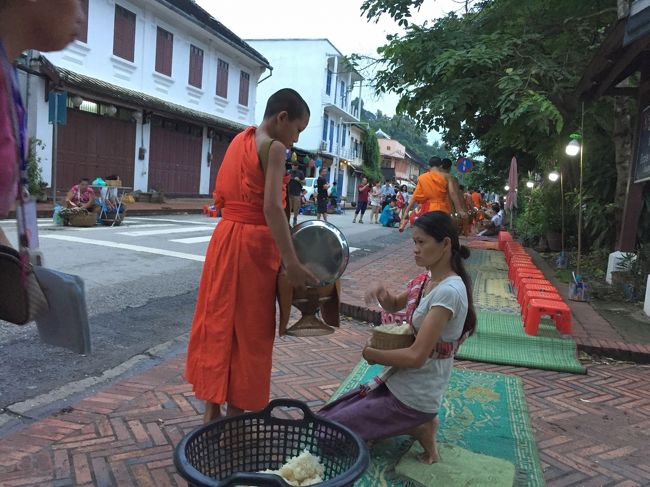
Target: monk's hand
pixel 299 276
pixel 364 353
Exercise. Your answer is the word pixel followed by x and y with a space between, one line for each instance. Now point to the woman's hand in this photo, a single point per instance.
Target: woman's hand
pixel 365 354
pixel 378 294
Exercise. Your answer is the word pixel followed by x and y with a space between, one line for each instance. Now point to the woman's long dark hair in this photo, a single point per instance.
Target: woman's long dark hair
pixel 439 225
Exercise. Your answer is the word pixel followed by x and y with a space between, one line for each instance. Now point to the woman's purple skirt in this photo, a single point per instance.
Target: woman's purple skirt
pixel 377 415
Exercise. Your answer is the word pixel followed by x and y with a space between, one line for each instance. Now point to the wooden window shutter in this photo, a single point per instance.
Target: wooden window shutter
pixel 196 66
pixel 83 32
pixel 222 79
pixel 164 51
pixel 244 81
pixel 124 34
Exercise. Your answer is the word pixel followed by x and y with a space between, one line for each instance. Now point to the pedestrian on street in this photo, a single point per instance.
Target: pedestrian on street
pixel 231 343
pixel 25 25
pixel 375 202
pixel 433 192
pixel 321 195
pixel 362 200
pixel 334 195
pixel 294 188
pixel 406 396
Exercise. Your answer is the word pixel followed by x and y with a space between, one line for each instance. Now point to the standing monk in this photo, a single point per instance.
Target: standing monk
pixel 231 343
pixel 433 192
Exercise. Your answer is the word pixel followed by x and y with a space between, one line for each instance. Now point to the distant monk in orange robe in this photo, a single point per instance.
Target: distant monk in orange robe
pixel 433 193
pixel 231 342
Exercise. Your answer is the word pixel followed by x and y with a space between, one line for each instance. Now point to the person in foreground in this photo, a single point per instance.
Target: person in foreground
pixel 406 396
pixel 25 25
pixel 231 342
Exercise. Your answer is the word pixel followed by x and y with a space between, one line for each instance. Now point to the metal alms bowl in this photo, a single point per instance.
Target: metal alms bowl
pixel 322 248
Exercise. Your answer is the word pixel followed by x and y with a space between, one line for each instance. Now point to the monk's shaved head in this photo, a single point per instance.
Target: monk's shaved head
pixel 286 100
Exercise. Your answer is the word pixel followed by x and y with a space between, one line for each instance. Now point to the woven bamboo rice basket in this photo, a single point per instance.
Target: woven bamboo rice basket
pixel 390 341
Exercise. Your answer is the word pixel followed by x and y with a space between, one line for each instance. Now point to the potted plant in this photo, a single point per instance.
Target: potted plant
pixel 35 183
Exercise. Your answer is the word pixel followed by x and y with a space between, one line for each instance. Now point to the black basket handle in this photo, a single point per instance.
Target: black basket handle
pixel 255 479
pixel 287 403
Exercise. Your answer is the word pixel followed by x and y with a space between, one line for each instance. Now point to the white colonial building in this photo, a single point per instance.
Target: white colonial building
pixel 156 89
pixel 319 72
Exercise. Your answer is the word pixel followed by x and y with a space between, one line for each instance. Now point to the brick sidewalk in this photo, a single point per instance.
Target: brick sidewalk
pixel 395 265
pixel 591 430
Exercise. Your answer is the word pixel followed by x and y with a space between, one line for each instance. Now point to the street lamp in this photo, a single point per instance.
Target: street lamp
pixel 572 149
pixel 530 184
pixel 553 176
pixel 506 187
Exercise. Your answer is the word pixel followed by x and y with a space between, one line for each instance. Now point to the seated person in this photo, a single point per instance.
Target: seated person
pixel 390 214
pixel 493 225
pixel 81 196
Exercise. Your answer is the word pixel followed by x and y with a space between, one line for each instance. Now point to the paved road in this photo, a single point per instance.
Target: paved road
pixel 141 280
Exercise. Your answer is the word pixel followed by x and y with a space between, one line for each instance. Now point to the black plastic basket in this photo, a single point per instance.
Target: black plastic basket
pixel 230 452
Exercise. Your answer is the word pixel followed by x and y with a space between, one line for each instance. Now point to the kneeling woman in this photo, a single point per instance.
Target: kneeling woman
pixel 405 398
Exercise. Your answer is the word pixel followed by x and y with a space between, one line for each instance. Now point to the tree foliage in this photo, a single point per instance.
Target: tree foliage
pixel 371 158
pixel 503 74
pixel 501 79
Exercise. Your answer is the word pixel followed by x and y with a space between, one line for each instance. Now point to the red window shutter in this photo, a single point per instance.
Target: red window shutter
pixel 196 66
pixel 244 81
pixel 222 79
pixel 164 51
pixel 83 32
pixel 124 33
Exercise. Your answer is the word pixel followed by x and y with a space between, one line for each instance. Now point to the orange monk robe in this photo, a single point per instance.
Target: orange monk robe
pixel 476 199
pixel 231 342
pixel 432 192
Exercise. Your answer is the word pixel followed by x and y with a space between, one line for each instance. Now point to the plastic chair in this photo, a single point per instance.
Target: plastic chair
pixel 559 312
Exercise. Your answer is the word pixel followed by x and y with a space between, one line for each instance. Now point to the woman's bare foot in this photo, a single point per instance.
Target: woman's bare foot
pixel 425 434
pixel 429 458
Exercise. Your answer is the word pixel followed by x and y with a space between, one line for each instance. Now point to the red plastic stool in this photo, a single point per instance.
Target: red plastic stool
pixel 559 312
pixel 213 213
pixel 529 284
pixel 527 275
pixel 520 266
pixel 548 295
pixel 503 238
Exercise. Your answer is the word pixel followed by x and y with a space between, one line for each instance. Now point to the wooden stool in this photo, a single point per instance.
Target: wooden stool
pixel 559 312
pixel 529 284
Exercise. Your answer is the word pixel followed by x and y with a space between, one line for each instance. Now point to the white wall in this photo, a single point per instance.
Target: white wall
pixel 96 59
pixel 302 64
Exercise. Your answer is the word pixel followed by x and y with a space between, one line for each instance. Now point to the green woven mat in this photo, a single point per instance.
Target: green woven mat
pixel 500 339
pixel 487 259
pixel 483 412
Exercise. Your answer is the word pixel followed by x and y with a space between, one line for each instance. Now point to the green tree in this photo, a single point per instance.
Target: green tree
pixel 371 158
pixel 502 77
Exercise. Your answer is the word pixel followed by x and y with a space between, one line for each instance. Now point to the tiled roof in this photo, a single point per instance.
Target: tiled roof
pixel 194 12
pixel 65 78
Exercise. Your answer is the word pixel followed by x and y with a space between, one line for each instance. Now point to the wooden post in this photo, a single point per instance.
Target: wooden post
pixel 634 193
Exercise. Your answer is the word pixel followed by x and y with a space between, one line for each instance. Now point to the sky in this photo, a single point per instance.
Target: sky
pixel 340 21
